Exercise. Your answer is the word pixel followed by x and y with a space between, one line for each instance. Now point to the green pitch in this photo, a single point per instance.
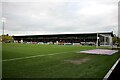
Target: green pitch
pixel 53 61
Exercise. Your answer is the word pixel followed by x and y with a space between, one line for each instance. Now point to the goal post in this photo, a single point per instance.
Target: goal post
pixel 107 40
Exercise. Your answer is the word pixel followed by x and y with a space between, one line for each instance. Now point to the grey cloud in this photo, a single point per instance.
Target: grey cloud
pixel 40 17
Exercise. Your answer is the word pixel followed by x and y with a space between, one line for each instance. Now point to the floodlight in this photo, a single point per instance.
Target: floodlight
pixel 3 19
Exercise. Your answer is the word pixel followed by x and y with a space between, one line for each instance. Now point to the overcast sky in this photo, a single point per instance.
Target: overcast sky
pixel 45 17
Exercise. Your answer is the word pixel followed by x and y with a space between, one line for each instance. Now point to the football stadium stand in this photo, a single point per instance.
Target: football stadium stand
pixel 68 39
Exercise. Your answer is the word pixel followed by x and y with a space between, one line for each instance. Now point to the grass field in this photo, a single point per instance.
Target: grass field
pixel 53 61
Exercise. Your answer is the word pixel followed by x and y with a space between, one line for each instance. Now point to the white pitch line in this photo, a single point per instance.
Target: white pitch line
pixel 58 53
pixel 33 56
pixel 111 70
pixel 23 58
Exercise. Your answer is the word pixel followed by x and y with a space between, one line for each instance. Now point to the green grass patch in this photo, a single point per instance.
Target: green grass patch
pixel 54 66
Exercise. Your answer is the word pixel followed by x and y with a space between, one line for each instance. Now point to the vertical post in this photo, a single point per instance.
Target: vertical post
pixel 3 24
pixel 97 41
pixel 104 40
pixel 3 28
pixel 110 42
pixel 119 19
